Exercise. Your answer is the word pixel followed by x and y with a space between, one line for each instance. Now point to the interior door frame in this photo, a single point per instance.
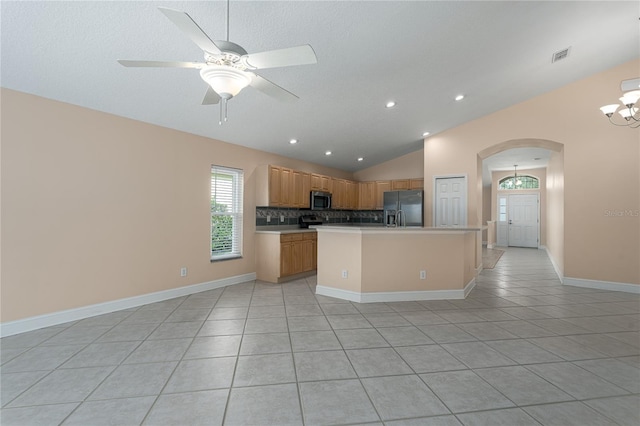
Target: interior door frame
pixel 434 200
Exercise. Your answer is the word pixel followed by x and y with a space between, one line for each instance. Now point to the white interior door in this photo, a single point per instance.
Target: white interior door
pixel 523 220
pixel 450 204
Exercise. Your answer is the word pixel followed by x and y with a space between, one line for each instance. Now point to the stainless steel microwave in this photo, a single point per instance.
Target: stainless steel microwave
pixel 320 200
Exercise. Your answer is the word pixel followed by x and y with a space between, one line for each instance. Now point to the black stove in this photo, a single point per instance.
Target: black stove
pixel 309 220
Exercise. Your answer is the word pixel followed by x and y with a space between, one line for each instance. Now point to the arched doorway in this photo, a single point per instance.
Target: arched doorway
pixel 551 194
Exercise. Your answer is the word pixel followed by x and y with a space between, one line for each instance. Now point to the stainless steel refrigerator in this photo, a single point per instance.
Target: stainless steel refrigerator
pixel 404 208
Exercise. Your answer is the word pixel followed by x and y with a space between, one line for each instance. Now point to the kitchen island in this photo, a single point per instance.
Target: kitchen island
pixel 378 264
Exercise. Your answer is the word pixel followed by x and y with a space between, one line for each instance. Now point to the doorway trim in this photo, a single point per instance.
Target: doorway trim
pixel 434 202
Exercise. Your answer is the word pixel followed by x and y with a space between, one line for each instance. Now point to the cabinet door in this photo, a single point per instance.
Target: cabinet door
pixel 352 195
pixel 297 180
pixel 296 256
pixel 275 183
pixel 286 259
pixel 381 187
pixel 305 191
pixel 325 183
pixel 307 255
pixel 416 183
pixel 367 195
pixel 339 193
pixel 316 182
pixel 286 186
pixel 399 184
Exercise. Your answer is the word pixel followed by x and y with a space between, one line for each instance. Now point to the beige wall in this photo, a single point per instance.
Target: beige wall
pixel 541 174
pixel 97 207
pixel 555 210
pixel 405 167
pixel 597 158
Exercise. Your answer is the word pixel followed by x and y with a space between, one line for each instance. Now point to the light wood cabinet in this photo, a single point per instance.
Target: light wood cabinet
pixel 399 184
pixel 291 254
pixel 352 195
pixel 280 256
pixel 382 186
pixel 278 186
pixel 282 187
pixel 286 186
pixel 301 189
pixel 309 252
pixel 339 194
pixel 367 195
pixel 275 182
pixel 320 182
pixel 416 183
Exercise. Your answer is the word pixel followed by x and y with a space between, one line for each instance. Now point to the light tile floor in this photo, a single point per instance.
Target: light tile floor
pixel 521 350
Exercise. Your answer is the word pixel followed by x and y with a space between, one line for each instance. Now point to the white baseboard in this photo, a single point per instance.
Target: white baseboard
pixel 33 323
pixel 556 267
pixel 602 285
pixel 394 296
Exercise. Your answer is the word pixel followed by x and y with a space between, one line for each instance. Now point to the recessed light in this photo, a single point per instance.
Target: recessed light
pixel 390 104
pixel 293 141
pixel 360 159
pixel 459 97
pixel 425 134
pixel 327 153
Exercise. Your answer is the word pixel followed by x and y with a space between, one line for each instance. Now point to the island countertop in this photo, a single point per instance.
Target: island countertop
pixel 384 229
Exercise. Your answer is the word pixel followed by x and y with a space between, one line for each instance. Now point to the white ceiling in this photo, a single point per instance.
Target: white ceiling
pixel 420 54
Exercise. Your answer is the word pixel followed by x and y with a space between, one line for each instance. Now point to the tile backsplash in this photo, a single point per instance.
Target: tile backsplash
pixel 291 215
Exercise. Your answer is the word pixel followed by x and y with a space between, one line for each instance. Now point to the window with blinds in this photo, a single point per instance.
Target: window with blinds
pixel 226 212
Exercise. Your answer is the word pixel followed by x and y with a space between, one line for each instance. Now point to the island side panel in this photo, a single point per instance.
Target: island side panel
pixel 339 252
pixel 267 248
pixel 392 263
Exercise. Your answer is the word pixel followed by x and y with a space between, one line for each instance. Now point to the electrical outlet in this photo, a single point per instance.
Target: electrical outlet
pixel 183 271
pixel 281 218
pixel 423 275
pixel 345 274
pixel 268 218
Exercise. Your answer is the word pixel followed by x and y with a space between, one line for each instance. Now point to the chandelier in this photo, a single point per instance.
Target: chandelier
pixel 628 100
pixel 515 182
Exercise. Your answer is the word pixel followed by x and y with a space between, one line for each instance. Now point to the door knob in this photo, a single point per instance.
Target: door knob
pixel 509 221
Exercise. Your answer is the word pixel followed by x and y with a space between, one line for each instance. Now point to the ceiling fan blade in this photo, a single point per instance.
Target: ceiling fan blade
pixel 272 89
pixel 299 55
pixel 211 97
pixel 183 21
pixel 160 64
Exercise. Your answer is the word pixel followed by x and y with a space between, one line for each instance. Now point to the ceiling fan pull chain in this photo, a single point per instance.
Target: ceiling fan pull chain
pixel 223 111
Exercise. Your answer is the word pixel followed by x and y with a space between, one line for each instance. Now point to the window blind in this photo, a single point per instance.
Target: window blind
pixel 226 212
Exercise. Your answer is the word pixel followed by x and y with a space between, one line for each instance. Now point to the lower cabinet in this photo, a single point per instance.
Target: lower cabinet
pixel 297 253
pixel 284 255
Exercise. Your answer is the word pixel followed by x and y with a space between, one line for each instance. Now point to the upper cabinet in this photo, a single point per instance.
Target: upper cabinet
pixel 278 186
pixel 320 183
pixel 400 184
pixel 382 186
pixel 366 195
pixel 282 187
pixel 416 183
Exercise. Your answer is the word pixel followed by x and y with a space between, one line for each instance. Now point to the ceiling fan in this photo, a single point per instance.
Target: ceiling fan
pixel 227 67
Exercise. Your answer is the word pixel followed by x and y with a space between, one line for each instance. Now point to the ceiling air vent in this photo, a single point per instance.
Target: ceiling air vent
pixel 562 54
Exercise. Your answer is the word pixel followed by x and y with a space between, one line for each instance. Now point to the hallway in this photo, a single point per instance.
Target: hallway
pixel 522 349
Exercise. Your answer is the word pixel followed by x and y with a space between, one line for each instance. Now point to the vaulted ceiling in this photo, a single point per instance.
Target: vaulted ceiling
pixel 420 54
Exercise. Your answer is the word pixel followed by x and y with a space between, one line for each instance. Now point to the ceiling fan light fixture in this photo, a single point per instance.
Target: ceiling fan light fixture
pixel 226 82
